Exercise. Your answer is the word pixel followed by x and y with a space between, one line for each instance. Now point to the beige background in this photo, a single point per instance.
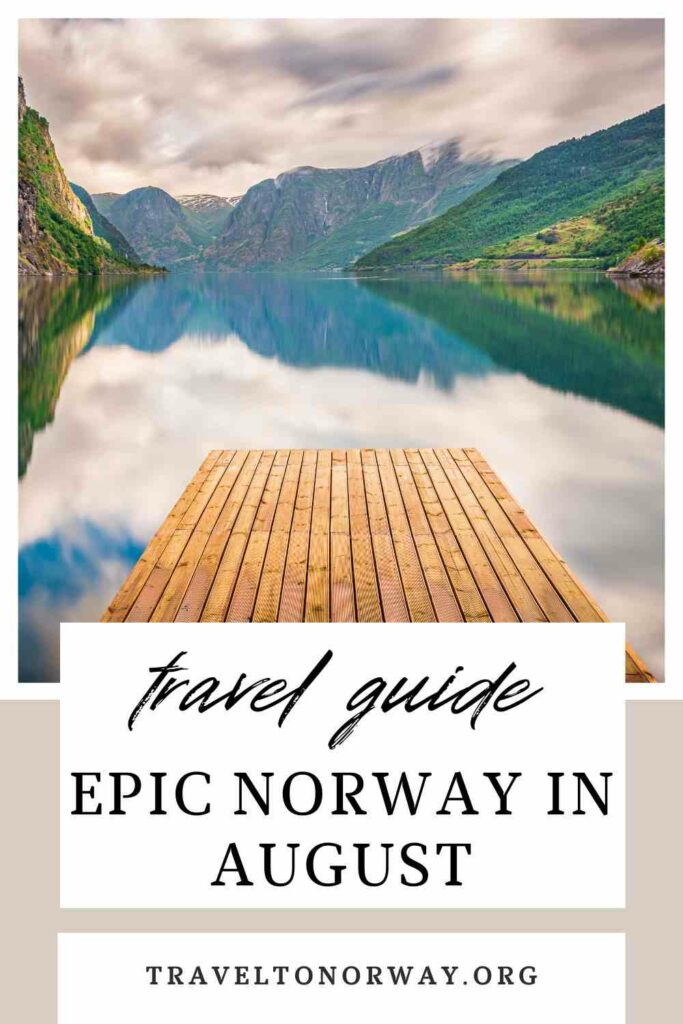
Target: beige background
pixel 29 876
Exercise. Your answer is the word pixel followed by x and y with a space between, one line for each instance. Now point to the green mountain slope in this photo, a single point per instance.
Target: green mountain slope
pixel 55 230
pixel 606 234
pixel 154 224
pixel 103 228
pixel 559 183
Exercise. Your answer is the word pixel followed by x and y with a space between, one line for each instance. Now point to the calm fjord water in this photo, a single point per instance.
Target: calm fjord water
pixel 125 385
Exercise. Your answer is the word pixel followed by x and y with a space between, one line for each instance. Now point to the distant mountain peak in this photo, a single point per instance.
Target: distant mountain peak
pixel 432 152
pixel 166 229
pixel 324 218
pixel 150 190
pixel 153 222
pixel 207 201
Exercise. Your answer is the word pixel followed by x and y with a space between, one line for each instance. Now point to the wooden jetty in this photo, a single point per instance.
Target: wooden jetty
pixel 371 535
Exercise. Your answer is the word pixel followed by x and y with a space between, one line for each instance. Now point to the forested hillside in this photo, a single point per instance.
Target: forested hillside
pixel 561 182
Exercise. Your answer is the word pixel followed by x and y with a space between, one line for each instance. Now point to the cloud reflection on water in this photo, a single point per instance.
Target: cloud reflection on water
pixel 131 429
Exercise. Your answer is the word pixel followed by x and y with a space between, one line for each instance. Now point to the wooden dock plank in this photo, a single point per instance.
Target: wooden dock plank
pixel 368 604
pixel 394 604
pixel 317 606
pixel 342 600
pixel 414 584
pixel 218 600
pixel 526 577
pixel 292 602
pixel 460 575
pixel 159 578
pixel 582 607
pixel 124 600
pixel 270 587
pixel 367 535
pixel 172 596
pixel 577 598
pixel 479 554
pixel 410 515
pixel 203 576
pixel 512 580
pixel 246 586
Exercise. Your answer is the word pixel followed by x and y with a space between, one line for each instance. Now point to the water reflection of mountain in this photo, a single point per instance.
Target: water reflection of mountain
pixel 57 320
pixel 647 292
pixel 579 334
pixel 301 321
pixel 572 332
pixel 575 333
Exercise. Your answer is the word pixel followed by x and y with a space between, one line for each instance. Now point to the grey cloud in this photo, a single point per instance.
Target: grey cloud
pixel 124 142
pixel 351 88
pixel 215 152
pixel 357 48
pixel 321 65
pixel 595 33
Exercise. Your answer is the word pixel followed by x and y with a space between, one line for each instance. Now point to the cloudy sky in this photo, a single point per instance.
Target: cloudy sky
pixel 215 106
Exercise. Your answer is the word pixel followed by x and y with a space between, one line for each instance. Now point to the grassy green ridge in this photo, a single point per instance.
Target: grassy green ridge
pixel 559 183
pixel 606 234
pixel 66 242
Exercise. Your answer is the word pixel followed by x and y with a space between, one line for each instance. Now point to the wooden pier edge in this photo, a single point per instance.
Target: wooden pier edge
pixel 357 535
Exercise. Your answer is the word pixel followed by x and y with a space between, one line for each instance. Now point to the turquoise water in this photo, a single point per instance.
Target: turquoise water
pixel 125 384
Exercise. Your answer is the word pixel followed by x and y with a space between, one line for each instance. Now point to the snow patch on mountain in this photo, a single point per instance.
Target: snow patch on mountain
pixel 205 201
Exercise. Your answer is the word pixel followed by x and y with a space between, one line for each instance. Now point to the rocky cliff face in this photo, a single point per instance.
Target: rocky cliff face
pixel 28 222
pixel 22 100
pixel 648 261
pixel 36 253
pixel 55 232
pixel 316 219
